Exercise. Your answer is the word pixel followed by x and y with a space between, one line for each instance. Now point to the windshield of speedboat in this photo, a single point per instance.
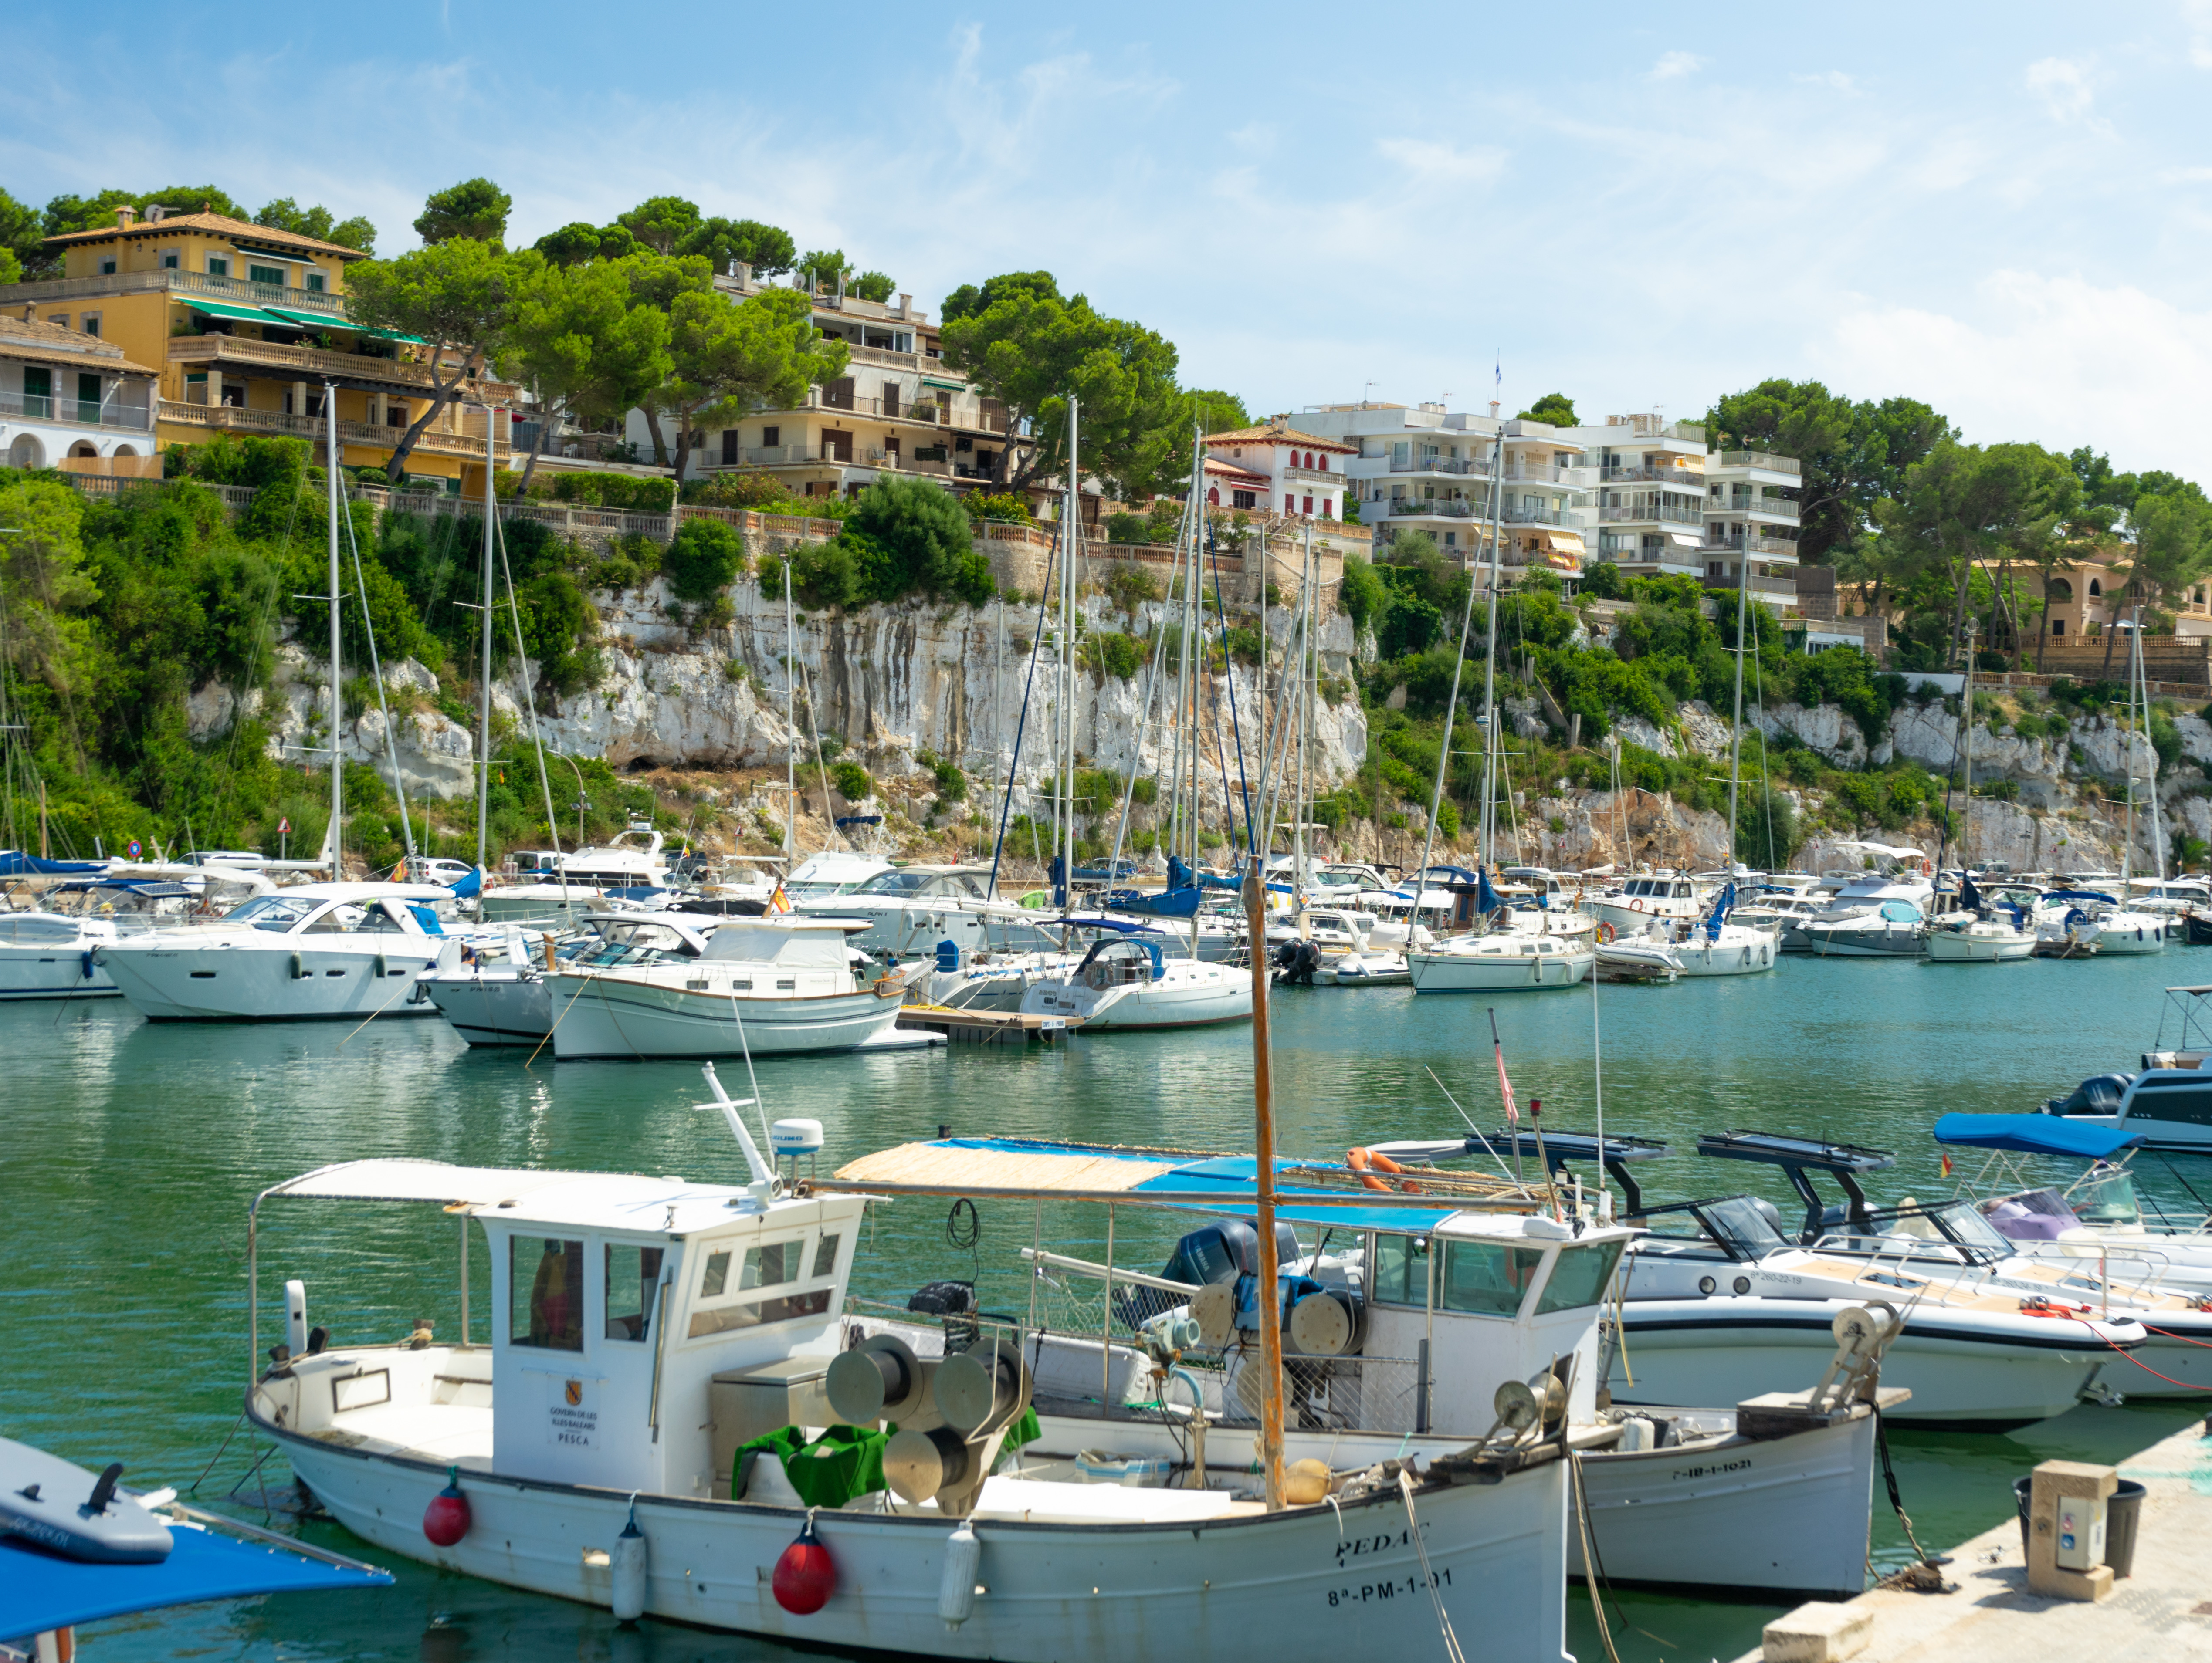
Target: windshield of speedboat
pixel 2105 1195
pixel 1946 1231
pixel 1738 1224
pixel 276 913
pixel 897 884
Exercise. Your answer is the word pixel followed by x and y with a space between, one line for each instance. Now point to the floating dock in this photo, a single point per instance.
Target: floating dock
pixel 2162 1611
pixel 986 1027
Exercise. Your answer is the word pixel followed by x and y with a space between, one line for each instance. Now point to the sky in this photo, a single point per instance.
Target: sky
pixel 2001 209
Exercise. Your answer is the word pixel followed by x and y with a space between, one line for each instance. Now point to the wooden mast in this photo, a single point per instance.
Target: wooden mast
pixel 1263 1178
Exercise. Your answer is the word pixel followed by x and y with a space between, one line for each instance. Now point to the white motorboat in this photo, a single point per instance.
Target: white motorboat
pixel 2122 931
pixel 1124 983
pixel 1716 945
pixel 1503 962
pixel 1647 955
pixel 315 950
pixel 51 955
pixel 831 872
pixel 501 997
pixel 556 888
pixel 1638 900
pixel 1894 928
pixel 1971 938
pixel 1368 970
pixel 658 1346
pixel 764 987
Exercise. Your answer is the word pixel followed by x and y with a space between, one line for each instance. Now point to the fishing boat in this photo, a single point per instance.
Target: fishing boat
pixel 1124 983
pixel 1984 930
pixel 501 997
pixel 664 1356
pixel 758 986
pixel 1636 900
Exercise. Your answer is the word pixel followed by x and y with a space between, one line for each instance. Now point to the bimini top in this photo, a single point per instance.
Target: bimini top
pixel 2035 1134
pixel 1773 1149
pixel 590 1200
pixel 1308 1193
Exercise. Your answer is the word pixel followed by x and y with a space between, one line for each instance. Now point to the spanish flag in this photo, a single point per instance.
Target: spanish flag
pixel 779 902
pixel 1946 1166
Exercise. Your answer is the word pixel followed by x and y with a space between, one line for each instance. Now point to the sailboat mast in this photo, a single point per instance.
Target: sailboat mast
pixel 1459 663
pixel 1486 832
pixel 1736 741
pixel 2128 768
pixel 335 841
pixel 1071 535
pixel 484 713
pixel 791 721
pixel 1966 714
pixel 2157 833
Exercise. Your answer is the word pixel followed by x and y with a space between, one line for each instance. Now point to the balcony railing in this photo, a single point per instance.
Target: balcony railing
pixel 1765 459
pixel 1626 514
pixel 1637 473
pixel 310 363
pixel 1759 545
pixel 187 282
pixel 1759 585
pixel 113 415
pixel 1436 464
pixel 1408 508
pixel 1765 508
pixel 445 437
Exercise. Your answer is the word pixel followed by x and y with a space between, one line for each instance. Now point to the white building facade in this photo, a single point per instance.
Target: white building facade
pixel 1303 472
pixel 69 400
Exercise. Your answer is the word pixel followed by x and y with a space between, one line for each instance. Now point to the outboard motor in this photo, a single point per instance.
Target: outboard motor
pixel 1297 960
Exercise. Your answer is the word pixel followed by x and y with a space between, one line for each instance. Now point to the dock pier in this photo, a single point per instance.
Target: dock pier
pixel 2162 1610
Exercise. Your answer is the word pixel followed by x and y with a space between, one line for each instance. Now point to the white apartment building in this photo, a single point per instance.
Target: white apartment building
pixel 1748 518
pixel 71 400
pixel 896 409
pixel 1426 468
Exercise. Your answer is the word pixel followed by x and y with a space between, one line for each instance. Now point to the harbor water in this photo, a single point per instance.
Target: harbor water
pixel 130 1154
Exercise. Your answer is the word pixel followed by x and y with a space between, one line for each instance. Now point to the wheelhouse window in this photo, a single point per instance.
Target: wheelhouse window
pixel 1579 1279
pixel 1401 1270
pixel 1486 1279
pixel 733 1286
pixel 545 1293
pixel 633 1282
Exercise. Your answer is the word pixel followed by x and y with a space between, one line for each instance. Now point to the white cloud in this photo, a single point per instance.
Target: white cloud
pixel 2064 87
pixel 1433 162
pixel 1672 65
pixel 2058 360
pixel 1835 80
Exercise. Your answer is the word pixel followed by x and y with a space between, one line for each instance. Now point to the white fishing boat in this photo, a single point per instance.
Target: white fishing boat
pixel 1971 938
pixel 1123 984
pixel 762 987
pixel 659 1346
pixel 501 997
pixel 314 951
pixel 1503 961
pixel 1636 900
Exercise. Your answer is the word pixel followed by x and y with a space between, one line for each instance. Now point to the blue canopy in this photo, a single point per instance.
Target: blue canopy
pixel 2080 894
pixel 2035 1134
pixel 14 863
pixel 40 1591
pixel 1486 898
pixel 1154 903
pixel 472 884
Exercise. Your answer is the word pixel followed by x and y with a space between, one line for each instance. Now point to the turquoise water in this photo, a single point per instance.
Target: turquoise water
pixel 131 1152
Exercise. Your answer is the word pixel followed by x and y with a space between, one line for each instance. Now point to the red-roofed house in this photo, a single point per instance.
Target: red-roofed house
pixel 1296 475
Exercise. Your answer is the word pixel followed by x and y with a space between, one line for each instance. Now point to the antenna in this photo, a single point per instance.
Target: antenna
pixel 763 1175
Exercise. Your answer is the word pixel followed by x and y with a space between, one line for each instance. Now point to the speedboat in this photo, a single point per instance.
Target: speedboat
pixel 1126 982
pixel 760 988
pixel 1646 955
pixel 669 1363
pixel 1861 896
pixel 1894 928
pixel 51 955
pixel 1971 939
pixel 315 950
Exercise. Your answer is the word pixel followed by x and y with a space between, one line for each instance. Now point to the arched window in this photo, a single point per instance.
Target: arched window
pixel 1324 462
pixel 1213 496
pixel 84 447
pixel 2095 587
pixel 2060 589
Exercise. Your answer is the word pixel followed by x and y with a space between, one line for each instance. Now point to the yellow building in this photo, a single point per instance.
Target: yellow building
pixel 245 324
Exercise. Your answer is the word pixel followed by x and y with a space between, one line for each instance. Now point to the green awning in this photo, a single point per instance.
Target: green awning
pixel 950 386
pixel 245 314
pixel 331 320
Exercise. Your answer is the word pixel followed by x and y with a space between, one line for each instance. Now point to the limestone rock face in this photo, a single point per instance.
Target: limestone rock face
pixel 1827 729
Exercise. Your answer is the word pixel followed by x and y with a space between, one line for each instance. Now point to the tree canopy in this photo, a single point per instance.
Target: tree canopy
pixel 727 358
pixel 475 209
pixel 458 294
pixel 286 215
pixel 1555 408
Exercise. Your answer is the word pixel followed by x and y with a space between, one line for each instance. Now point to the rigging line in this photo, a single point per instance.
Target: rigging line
pixel 530 702
pixel 821 762
pixel 1137 751
pixel 1459 663
pixel 376 670
pixel 1471 1126
pixel 1028 685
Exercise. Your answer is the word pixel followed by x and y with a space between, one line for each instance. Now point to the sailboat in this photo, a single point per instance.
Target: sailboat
pixel 1978 932
pixel 1528 955
pixel 314 951
pixel 2121 929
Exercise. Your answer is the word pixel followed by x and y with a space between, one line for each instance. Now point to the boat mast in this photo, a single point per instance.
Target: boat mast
pixel 333 842
pixel 1735 742
pixel 1193 635
pixel 2128 768
pixel 1966 715
pixel 484 715
pixel 1263 1180
pixel 791 724
pixel 1486 823
pixel 1071 531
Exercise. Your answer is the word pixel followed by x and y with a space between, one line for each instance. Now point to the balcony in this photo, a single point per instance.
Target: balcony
pixel 1410 508
pixel 1763 459
pixel 1778 548
pixel 445 437
pixel 1782 588
pixel 990 417
pixel 1437 464
pixel 1637 473
pixel 112 416
pixel 1763 507
pixel 181 283
pixel 1531 473
pixel 312 363
pixel 1650 513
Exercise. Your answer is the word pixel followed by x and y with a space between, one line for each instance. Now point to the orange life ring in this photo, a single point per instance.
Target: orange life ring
pixel 1605 933
pixel 1637 906
pixel 1360 1159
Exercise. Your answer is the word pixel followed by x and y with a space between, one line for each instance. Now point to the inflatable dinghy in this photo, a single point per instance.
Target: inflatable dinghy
pixel 67 1510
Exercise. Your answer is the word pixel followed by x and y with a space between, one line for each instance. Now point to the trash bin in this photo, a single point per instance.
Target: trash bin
pixel 2123 1512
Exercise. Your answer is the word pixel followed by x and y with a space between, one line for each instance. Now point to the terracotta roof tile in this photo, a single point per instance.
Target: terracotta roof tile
pixel 219 224
pixel 1281 433
pixel 30 337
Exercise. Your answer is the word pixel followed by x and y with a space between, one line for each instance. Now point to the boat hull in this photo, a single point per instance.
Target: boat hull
pixel 1956 947
pixel 1502 972
pixel 608 1017
pixel 55 971
pixel 1315 1582
pixel 1892 941
pixel 501 1008
pixel 1190 994
pixel 1728 956
pixel 335 982
pixel 1685 1352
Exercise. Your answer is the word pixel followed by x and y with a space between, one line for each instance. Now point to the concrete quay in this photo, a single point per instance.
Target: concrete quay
pixel 2163 1611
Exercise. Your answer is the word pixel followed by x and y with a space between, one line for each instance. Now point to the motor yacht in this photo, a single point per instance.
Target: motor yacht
pixel 1636 900
pixel 558 888
pixel 315 950
pixel 1124 983
pixel 831 872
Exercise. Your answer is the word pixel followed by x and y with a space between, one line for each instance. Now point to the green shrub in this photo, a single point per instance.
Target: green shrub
pixel 918 536
pixel 703 559
pixel 852 781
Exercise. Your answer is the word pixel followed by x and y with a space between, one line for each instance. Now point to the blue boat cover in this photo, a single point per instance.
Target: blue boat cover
pixel 40 1591
pixel 471 885
pixel 14 863
pixel 2035 1134
pixel 2079 895
pixel 1154 903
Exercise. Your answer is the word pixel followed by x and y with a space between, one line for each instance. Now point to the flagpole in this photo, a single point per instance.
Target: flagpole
pixel 1505 1089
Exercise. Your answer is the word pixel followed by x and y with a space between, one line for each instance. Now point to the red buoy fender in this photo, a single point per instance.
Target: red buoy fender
pixel 445 1520
pixel 805 1575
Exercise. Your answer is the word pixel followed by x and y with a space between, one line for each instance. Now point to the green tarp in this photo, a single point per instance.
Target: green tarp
pixel 845 1462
